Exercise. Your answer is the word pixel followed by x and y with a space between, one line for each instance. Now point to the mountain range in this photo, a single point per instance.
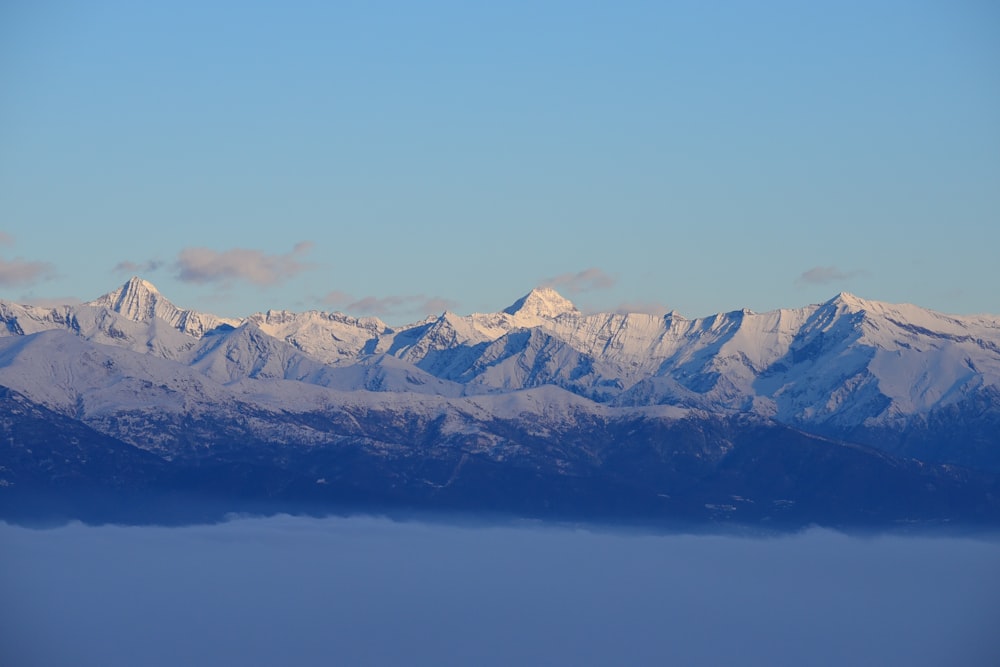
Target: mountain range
pixel 845 412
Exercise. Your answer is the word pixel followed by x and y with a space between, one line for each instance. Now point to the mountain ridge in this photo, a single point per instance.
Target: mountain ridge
pixel 536 384
pixel 140 301
pixel 771 363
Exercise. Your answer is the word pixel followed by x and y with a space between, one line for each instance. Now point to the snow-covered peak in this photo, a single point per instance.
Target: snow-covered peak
pixel 849 302
pixel 137 299
pixel 902 314
pixel 135 283
pixel 542 302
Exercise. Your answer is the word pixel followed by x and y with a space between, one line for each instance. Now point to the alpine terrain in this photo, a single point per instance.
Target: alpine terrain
pixel 848 412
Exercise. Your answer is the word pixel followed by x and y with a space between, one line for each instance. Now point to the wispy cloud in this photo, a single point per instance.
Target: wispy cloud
pixel 337 298
pixel 387 306
pixel 19 271
pixel 587 280
pixel 203 265
pixel 647 307
pixel 127 266
pixel 823 275
pixel 52 301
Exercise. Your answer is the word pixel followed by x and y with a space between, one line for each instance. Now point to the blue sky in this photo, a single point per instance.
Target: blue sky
pixel 401 158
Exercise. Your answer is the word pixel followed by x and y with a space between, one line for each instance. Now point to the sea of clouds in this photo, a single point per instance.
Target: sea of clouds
pixel 371 591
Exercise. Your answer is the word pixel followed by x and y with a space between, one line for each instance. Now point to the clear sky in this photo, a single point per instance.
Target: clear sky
pixel 400 158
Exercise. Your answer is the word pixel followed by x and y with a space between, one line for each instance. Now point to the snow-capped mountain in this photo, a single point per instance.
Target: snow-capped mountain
pixel 140 301
pixel 538 380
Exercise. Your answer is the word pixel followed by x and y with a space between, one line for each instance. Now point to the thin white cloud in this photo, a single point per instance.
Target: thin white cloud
pixel 587 280
pixel 337 298
pixel 52 301
pixel 203 265
pixel 19 271
pixel 387 306
pixel 127 266
pixel 646 307
pixel 823 275
pixel 437 304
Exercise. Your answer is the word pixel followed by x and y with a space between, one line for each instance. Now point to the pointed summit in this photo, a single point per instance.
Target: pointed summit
pixel 135 283
pixel 137 299
pixel 849 302
pixel 140 301
pixel 543 302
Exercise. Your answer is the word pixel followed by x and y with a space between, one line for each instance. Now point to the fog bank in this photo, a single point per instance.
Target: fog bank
pixel 366 591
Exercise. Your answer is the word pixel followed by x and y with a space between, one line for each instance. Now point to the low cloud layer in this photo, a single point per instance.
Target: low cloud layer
pixel 388 306
pixel 587 280
pixel 313 592
pixel 824 275
pixel 203 265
